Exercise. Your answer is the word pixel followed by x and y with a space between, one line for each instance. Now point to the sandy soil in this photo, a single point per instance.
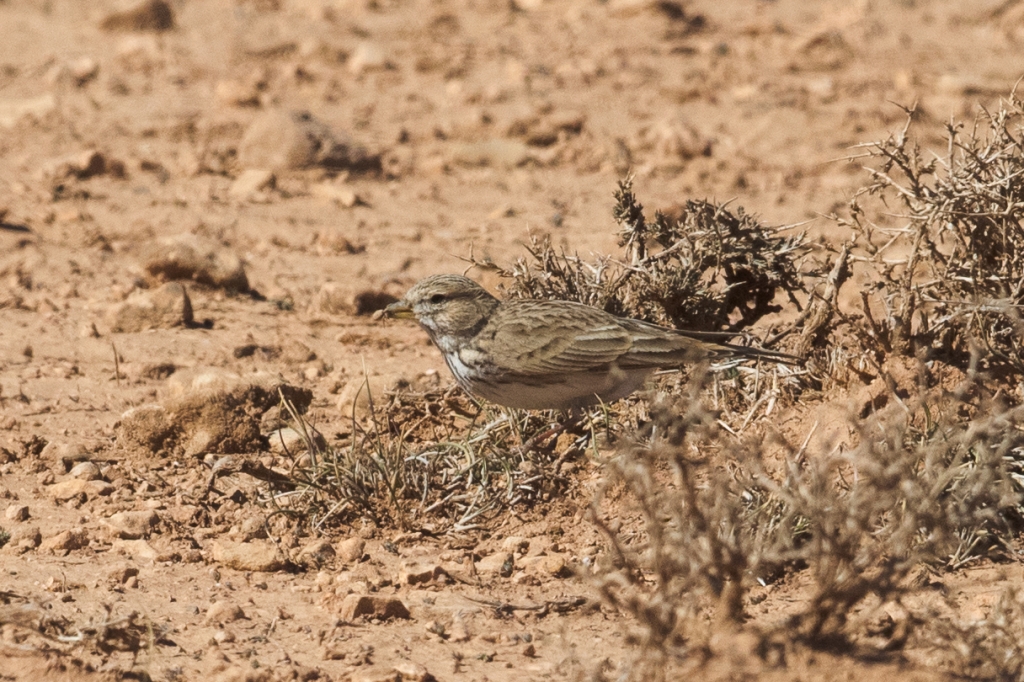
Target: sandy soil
pixel 457 126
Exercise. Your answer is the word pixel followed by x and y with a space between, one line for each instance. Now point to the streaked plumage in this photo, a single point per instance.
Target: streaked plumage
pixel 548 354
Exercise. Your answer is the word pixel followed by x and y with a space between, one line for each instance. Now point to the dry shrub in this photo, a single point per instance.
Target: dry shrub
pixel 924 488
pixel 952 274
pixel 988 649
pixel 708 268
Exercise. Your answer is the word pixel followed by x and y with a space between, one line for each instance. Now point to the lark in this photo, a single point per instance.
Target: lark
pixel 561 355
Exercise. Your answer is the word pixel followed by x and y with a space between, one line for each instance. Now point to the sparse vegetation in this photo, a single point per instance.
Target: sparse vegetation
pixel 706 268
pixel 425 460
pixel 952 268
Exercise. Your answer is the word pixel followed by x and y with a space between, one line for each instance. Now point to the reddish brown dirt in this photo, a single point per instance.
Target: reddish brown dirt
pixel 751 100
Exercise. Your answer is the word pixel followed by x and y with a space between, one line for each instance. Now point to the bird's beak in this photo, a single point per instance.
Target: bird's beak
pixel 399 310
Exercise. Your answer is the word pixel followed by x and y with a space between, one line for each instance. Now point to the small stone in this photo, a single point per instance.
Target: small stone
pixel 73 487
pixel 515 544
pixel 459 631
pixel 167 307
pixel 83 70
pixel 249 556
pixel 496 564
pixel 224 636
pixel 14 111
pixel 148 15
pixel 342 196
pixel 337 298
pixel 317 553
pixel 188 257
pixel 418 574
pixel 366 57
pixel 529 650
pixel 251 182
pixel 64 452
pixel 499 153
pixel 119 575
pixel 224 612
pixel 83 165
pixel 550 564
pixel 24 538
pixel 87 471
pixel 412 672
pixel 237 94
pixel 67 540
pixel 17 512
pixel 357 393
pixel 137 549
pixel 382 608
pixel 282 140
pixel 332 241
pixel 351 550
pixel 288 440
pixel 132 525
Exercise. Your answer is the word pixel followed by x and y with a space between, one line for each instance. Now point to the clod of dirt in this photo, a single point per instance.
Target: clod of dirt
pixel 213 412
pixel 499 563
pixel 14 111
pixel 336 298
pixel 251 183
pixel 543 131
pixel 188 257
pixel 166 307
pixel 333 241
pixel 420 573
pixel 83 165
pixel 249 556
pixel 382 608
pixel 499 153
pixel 357 393
pixel 67 453
pixel 66 540
pixel 553 565
pixel 148 15
pixel 224 612
pixel 342 196
pixel 132 525
pixel 317 553
pixel 75 487
pixel 137 549
pixel 351 550
pixel 412 672
pixel 283 140
pixel 24 539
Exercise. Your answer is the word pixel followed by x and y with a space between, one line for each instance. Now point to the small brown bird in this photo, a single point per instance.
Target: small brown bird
pixel 539 355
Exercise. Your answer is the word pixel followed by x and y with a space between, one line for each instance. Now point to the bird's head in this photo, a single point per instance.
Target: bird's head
pixel 447 306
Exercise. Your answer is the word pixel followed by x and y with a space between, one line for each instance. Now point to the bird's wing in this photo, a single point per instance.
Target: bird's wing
pixel 573 338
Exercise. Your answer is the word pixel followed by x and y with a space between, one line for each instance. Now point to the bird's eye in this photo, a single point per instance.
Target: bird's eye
pixel 437 298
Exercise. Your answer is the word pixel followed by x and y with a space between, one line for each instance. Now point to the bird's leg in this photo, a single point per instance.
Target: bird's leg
pixel 572 418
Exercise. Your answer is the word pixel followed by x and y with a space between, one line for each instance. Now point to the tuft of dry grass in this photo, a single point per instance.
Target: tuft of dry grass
pixel 415 463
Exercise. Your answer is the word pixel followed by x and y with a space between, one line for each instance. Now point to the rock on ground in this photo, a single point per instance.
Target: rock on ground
pixel 217 413
pixel 286 140
pixel 167 307
pixel 188 257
